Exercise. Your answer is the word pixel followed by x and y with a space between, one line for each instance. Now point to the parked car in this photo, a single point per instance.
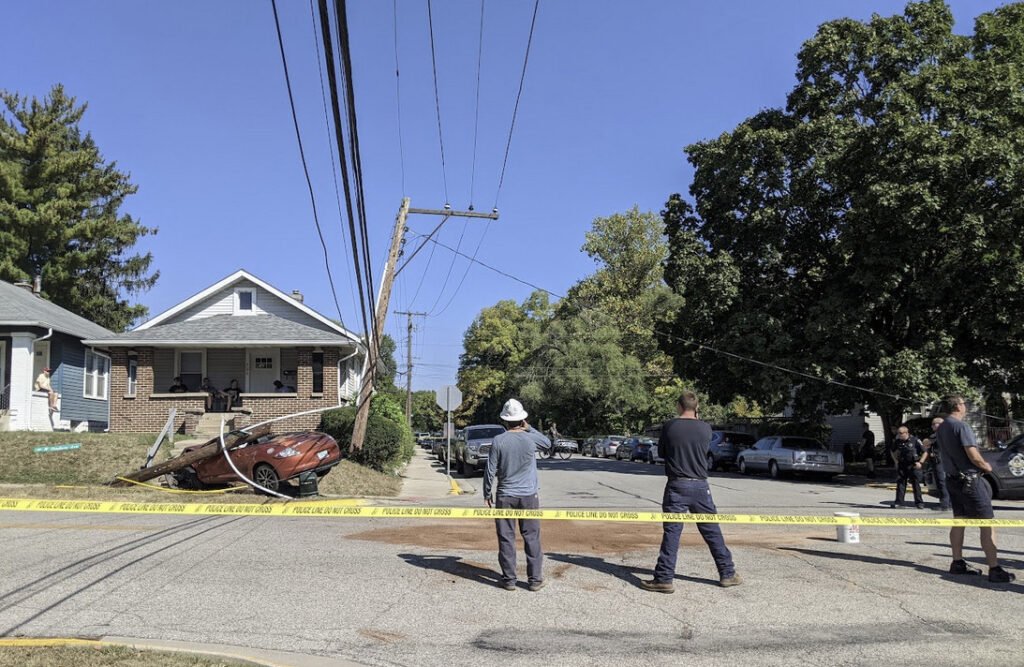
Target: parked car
pixel 779 454
pixel 641 449
pixel 1006 480
pixel 588 446
pixel 607 445
pixel 268 461
pixel 725 446
pixel 469 453
pixel 653 455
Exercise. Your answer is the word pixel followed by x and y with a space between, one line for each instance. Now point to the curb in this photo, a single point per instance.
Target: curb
pixel 259 657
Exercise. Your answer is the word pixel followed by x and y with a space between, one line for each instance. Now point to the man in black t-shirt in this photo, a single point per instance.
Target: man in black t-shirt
pixel 684 445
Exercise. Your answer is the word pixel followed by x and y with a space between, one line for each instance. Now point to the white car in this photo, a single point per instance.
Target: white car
pixel 780 454
pixel 607 447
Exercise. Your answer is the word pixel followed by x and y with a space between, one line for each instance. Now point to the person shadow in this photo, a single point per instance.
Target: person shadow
pixel 627 573
pixel 977 581
pixel 454 565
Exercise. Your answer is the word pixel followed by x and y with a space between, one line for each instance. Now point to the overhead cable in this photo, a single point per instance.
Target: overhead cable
pixel 476 115
pixel 437 99
pixel 398 95
pixel 515 109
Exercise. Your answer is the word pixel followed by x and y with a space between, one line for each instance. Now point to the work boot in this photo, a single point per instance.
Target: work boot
pixel 961 567
pixel 998 575
pixel 508 585
pixel 728 582
pixel 920 506
pixel 537 585
pixel 658 586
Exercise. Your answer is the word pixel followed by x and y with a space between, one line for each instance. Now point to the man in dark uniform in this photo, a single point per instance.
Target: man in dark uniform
pixel 684 446
pixel 934 458
pixel 908 453
pixel 867 449
pixel 969 494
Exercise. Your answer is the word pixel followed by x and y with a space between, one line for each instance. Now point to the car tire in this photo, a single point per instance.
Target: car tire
pixel 773 470
pixel 743 467
pixel 265 475
pixel 460 466
pixel 711 462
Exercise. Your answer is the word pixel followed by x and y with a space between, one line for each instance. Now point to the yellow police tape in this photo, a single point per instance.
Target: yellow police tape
pixel 351 509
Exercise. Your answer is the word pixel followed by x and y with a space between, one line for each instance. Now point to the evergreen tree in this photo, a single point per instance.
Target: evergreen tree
pixel 59 212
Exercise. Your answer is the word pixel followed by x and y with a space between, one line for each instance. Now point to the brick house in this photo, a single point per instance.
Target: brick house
pixel 240 329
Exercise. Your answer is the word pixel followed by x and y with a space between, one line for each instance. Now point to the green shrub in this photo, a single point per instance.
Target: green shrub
pixel 389 441
pixel 382 447
pixel 338 424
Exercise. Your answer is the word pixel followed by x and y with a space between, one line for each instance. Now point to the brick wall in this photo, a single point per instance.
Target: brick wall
pixel 145 413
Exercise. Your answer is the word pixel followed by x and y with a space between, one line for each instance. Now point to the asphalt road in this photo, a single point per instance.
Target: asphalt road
pixel 388 592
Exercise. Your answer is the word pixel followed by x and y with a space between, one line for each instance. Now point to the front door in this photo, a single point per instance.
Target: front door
pixel 40 359
pixel 264 368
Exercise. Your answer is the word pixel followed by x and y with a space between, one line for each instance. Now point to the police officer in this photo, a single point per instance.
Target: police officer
pixel 909 456
pixel 933 457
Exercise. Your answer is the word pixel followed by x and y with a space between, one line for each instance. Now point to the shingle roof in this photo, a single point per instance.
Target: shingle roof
pixel 20 307
pixel 228 329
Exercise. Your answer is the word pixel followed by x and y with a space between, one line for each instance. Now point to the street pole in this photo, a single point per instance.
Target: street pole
pixel 381 310
pixel 448 430
pixel 408 364
pixel 370 367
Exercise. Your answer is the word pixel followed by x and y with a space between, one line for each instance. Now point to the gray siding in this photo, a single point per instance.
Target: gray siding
pixel 222 303
pixel 67 358
pixel 222 366
pixel 163 369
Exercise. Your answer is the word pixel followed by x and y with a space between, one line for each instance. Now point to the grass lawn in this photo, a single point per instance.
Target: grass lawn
pixel 102 456
pixel 105 656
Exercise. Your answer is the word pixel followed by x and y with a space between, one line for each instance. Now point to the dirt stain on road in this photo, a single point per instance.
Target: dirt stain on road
pixel 581 537
pixel 380 635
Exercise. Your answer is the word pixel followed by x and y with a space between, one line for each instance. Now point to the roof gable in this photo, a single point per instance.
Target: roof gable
pixel 19 307
pixel 218 299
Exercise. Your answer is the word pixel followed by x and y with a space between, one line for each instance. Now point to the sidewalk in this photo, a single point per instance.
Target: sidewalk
pixel 424 479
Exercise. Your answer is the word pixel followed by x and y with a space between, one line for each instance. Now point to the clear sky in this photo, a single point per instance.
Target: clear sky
pixel 189 98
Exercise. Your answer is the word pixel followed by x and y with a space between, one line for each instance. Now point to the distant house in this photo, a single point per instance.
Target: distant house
pixel 241 329
pixel 36 334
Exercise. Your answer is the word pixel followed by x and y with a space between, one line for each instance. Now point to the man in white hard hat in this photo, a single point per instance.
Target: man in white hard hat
pixel 513 464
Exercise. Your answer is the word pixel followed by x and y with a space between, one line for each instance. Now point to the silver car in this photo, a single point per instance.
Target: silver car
pixel 470 455
pixel 780 454
pixel 608 445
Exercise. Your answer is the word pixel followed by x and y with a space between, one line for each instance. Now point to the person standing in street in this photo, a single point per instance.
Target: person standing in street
pixel 512 475
pixel 909 456
pixel 969 494
pixel 933 458
pixel 684 445
pixel 867 449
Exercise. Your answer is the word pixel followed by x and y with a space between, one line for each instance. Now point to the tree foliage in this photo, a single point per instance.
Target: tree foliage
pixel 60 213
pixel 868 233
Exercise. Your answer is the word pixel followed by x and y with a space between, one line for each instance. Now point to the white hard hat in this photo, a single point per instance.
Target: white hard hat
pixel 513 411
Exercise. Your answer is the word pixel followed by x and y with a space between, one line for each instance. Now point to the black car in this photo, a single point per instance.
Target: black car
pixel 1007 477
pixel 724 447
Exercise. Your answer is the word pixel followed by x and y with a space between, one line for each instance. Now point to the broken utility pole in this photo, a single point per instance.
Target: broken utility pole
pixel 384 298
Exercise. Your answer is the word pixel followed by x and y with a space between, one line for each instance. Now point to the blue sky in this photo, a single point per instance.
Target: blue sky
pixel 189 98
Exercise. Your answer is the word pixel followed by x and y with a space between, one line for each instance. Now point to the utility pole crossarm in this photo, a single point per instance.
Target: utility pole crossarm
pixel 455 214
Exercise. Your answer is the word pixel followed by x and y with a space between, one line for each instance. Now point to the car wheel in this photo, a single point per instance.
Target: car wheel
pixel 773 470
pixel 460 466
pixel 711 462
pixel 266 476
pixel 743 467
pixel 650 459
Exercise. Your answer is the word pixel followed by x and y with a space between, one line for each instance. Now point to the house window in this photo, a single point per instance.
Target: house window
pixel 318 372
pixel 264 363
pixel 133 368
pixel 245 301
pixel 97 375
pixel 190 368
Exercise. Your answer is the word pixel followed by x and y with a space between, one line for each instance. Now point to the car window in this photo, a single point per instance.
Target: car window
pixel 481 433
pixel 617 438
pixel 801 443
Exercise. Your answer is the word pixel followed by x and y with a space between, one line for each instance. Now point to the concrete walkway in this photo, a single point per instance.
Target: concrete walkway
pixel 424 479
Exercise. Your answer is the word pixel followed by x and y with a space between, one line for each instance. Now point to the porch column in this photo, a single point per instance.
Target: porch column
pixel 21 381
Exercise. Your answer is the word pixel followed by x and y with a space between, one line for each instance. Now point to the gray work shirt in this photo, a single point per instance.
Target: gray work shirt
pixel 954 439
pixel 513 461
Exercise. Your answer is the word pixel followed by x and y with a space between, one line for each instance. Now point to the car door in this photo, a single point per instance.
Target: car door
pixel 757 456
pixel 1010 471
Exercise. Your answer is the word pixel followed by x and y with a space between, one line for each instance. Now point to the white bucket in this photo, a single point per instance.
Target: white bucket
pixel 848 533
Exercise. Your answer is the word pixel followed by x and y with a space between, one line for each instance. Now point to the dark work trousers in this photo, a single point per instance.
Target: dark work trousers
pixel 908 473
pixel 694 496
pixel 530 530
pixel 940 482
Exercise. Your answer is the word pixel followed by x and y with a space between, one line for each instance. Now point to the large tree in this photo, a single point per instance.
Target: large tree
pixel 869 233
pixel 60 216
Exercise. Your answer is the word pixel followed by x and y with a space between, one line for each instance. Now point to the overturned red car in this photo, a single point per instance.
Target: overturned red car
pixel 269 461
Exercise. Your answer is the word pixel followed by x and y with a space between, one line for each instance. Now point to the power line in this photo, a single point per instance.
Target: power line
pixel 733 355
pixel 398 96
pixel 515 110
pixel 437 99
pixel 302 156
pixel 330 147
pixel 476 121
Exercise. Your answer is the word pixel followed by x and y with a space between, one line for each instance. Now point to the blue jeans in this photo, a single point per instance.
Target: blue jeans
pixel 692 496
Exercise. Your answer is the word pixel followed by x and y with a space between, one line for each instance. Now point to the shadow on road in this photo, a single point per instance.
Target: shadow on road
pixel 978 581
pixel 456 566
pixel 628 574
